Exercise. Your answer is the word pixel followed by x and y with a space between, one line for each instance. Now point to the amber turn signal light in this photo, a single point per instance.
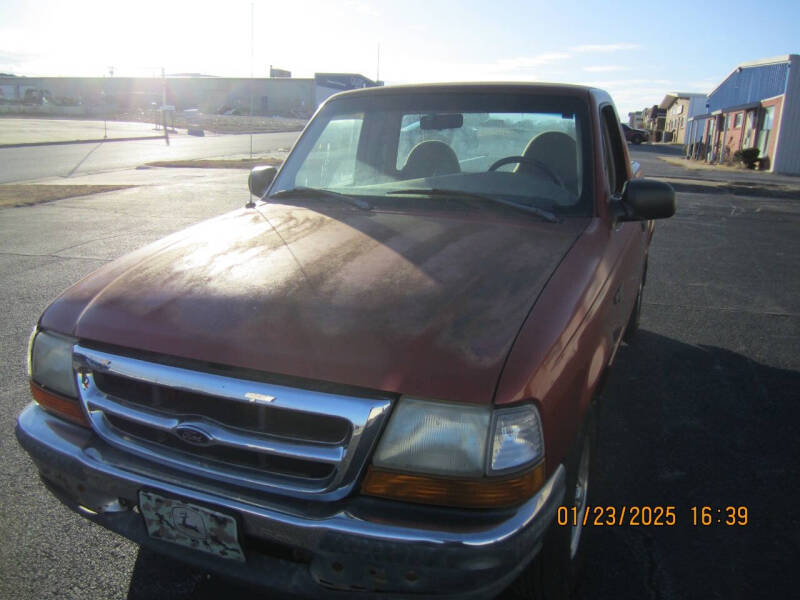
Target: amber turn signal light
pixel 59 405
pixel 484 492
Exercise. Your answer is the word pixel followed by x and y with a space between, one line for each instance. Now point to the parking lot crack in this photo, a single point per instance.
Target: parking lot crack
pixel 651 568
pixel 25 255
pixel 92 241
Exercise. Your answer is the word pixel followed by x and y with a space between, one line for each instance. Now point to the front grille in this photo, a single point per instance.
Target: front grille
pixel 224 454
pixel 254 416
pixel 287 440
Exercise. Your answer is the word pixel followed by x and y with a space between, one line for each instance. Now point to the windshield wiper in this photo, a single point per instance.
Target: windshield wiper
pixel 540 212
pixel 310 192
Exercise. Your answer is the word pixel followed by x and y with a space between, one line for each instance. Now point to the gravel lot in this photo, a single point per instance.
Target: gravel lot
pixel 699 410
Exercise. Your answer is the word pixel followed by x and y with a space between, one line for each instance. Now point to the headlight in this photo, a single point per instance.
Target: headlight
pixel 52 379
pixel 51 363
pixel 434 437
pixel 458 455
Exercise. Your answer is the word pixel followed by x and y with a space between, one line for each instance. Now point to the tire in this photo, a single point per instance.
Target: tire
pixel 637 139
pixel 554 573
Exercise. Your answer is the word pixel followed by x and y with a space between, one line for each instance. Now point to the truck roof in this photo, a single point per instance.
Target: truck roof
pixel 509 87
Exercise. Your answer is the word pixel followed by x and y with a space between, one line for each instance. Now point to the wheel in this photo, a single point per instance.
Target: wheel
pixel 554 572
pixel 636 314
pixel 528 161
pixel 637 139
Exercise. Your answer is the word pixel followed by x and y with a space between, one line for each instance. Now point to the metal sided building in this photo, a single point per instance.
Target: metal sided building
pixel 86 96
pixel 697 106
pixel 756 106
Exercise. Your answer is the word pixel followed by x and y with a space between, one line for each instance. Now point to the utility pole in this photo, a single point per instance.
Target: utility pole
pixel 164 105
pixel 251 79
pixel 105 109
pixel 105 102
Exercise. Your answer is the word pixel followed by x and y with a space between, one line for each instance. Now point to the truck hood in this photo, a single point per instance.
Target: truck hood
pixel 425 304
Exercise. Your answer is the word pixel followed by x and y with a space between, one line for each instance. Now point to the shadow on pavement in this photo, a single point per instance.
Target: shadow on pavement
pixel 685 426
pixel 83 160
pixel 162 577
pixel 678 425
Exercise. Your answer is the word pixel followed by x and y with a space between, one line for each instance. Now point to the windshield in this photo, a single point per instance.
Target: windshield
pixel 525 149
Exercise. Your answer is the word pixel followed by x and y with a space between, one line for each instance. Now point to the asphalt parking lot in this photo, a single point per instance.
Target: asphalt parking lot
pixel 700 410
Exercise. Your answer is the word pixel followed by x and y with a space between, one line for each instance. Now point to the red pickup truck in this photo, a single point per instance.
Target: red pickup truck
pixel 377 378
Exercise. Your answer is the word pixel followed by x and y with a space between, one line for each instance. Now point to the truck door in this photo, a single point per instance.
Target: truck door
pixel 626 242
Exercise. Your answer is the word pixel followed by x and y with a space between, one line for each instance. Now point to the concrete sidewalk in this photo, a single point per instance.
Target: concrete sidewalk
pixel 730 174
pixel 14 131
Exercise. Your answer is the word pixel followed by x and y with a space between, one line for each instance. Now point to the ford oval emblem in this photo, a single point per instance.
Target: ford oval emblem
pixel 192 435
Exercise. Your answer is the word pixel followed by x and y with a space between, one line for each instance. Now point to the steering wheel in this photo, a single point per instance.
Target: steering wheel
pixel 528 161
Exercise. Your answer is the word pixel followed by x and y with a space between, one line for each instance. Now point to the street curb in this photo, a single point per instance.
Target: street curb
pixel 97 141
pixel 259 132
pixel 790 193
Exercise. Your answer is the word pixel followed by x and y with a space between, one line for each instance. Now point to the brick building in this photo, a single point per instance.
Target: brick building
pixel 756 106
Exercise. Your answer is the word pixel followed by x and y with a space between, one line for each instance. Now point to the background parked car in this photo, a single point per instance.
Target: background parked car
pixel 637 136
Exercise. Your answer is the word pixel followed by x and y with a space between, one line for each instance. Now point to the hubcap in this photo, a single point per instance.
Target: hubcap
pixel 580 497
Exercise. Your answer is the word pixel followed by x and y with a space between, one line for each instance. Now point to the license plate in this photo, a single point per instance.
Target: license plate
pixel 190 525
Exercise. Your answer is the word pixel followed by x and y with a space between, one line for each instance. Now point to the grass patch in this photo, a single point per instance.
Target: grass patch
pixel 221 163
pixel 14 194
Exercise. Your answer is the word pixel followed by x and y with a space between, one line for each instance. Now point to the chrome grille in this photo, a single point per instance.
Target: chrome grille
pixel 259 435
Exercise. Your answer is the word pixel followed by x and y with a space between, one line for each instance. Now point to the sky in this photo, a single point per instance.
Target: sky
pixel 637 51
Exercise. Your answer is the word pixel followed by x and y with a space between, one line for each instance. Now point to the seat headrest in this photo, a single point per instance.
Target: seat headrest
pixel 558 151
pixel 430 158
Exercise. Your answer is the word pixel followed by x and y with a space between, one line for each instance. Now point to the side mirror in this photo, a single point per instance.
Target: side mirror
pixel 259 180
pixel 645 199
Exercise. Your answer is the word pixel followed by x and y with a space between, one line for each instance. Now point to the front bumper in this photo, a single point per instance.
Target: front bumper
pixel 374 547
